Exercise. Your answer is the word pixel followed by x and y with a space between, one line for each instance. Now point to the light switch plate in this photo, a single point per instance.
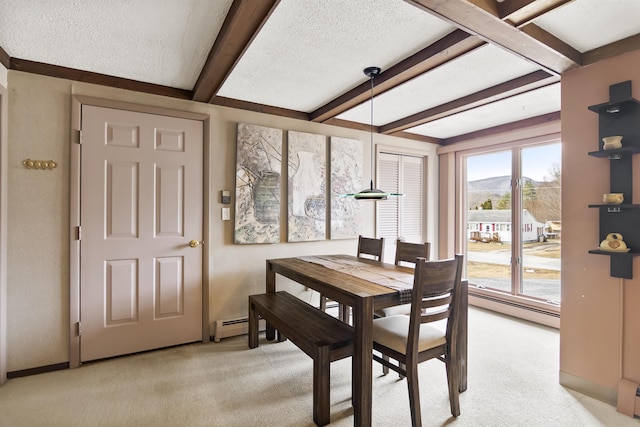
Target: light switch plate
pixel 226 214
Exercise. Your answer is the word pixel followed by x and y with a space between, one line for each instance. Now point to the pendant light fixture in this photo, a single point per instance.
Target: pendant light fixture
pixel 372 193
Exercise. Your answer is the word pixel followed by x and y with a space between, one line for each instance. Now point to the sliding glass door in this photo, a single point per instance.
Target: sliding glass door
pixel 513 228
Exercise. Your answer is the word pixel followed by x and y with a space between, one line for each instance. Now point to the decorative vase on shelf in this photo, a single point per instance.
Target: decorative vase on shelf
pixel 614 243
pixel 305 183
pixel 612 142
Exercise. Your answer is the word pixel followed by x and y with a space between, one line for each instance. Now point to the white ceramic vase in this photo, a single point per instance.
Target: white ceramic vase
pixel 305 182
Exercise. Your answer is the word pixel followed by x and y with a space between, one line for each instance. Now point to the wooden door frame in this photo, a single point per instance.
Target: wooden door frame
pixel 4 187
pixel 74 214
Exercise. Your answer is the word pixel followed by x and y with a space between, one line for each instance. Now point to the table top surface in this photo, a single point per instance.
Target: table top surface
pixel 347 273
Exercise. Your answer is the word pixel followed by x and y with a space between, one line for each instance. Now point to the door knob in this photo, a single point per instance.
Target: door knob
pixel 195 243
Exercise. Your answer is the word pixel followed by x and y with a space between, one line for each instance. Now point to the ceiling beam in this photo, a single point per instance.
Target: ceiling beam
pixel 258 108
pixel 367 128
pixel 519 85
pixel 553 42
pixel 446 49
pixel 242 24
pixel 416 137
pixel 511 7
pixel 96 78
pixel 351 125
pixel 612 49
pixel 489 6
pixel 507 127
pixel 470 16
pixel 519 12
pixel 5 59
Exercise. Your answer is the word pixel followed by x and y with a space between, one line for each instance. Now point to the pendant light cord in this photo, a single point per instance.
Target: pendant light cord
pixel 371 132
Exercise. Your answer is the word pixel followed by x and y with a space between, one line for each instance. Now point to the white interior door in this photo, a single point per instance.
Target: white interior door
pixel 141 205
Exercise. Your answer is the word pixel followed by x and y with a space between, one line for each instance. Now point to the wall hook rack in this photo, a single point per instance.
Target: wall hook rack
pixel 39 164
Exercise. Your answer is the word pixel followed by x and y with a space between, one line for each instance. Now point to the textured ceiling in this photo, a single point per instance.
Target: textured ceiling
pixel 589 24
pixel 481 68
pixel 164 42
pixel 449 68
pixel 523 106
pixel 309 51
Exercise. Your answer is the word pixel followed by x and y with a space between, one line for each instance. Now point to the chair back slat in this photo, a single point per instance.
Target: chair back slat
pixel 409 252
pixel 371 247
pixel 435 317
pixel 438 301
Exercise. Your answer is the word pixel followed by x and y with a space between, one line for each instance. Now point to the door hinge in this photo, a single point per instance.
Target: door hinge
pixel 78 329
pixel 78 233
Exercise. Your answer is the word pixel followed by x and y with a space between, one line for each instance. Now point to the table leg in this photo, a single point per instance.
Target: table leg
pixel 362 361
pixel 270 283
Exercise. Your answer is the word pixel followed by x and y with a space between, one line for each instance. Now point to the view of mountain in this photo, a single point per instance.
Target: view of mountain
pixel 498 185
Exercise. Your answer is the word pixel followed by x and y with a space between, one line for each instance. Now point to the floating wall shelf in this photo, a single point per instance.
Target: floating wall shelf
pixel 620 116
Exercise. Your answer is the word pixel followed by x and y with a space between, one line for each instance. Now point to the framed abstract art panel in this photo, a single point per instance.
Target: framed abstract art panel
pixel 307 202
pixel 346 178
pixel 258 184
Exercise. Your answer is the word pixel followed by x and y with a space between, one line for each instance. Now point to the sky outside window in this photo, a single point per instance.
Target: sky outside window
pixel 537 163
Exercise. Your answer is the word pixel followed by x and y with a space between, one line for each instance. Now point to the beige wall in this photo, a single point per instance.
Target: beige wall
pixel 600 325
pixel 38 237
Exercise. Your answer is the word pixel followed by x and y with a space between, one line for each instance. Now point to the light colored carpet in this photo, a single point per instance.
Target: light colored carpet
pixel 513 381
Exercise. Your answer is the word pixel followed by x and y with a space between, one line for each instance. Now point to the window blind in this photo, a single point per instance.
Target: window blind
pixel 400 216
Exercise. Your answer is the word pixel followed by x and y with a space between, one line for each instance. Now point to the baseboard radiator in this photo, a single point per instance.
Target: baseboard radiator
pixel 537 315
pixel 224 328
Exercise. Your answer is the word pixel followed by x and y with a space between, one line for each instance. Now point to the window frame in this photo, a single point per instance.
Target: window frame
pixel 503 300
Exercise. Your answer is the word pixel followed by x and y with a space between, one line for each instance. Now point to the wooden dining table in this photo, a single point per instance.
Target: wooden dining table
pixel 356 282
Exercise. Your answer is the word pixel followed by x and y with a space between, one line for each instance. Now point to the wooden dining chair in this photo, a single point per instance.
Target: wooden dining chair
pixel 406 253
pixel 410 340
pixel 367 248
pixel 370 248
pixel 409 252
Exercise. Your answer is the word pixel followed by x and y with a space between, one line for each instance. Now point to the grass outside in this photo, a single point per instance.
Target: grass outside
pixel 549 249
pixel 492 271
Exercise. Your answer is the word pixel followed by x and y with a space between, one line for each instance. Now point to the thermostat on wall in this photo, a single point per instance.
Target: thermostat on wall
pixel 225 197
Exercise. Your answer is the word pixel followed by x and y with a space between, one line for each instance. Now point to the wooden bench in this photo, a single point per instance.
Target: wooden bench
pixel 321 336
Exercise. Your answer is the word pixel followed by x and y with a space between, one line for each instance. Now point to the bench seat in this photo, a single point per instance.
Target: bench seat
pixel 321 336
